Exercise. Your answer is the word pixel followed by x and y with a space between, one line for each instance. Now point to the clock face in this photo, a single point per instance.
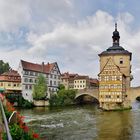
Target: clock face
pixel 116 41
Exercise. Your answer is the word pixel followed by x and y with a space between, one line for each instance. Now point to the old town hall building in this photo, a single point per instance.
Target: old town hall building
pixel 115 75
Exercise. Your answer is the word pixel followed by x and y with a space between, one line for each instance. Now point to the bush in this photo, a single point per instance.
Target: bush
pixel 21 102
pixel 63 97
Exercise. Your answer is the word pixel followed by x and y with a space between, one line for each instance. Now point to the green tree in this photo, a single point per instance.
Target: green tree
pixel 4 67
pixel 61 87
pixel 40 88
pixel 63 97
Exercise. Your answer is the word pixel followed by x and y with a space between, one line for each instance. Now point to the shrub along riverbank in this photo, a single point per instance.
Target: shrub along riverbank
pixel 63 97
pixel 19 101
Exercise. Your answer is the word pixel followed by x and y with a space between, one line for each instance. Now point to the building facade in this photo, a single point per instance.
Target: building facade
pixel 10 82
pixel 115 75
pixel 81 82
pixel 68 80
pixel 76 81
pixel 29 73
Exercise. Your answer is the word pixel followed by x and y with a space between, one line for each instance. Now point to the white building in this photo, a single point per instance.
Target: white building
pixel 29 73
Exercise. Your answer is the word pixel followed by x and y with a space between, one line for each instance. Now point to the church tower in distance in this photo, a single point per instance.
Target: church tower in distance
pixel 115 75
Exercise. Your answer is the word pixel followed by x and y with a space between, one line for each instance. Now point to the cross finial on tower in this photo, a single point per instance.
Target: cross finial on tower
pixel 115 26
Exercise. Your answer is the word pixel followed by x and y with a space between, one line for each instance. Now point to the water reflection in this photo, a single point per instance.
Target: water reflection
pixel 115 126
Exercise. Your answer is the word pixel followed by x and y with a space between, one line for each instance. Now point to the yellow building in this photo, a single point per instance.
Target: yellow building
pixel 115 75
pixel 81 82
pixel 10 82
pixel 68 80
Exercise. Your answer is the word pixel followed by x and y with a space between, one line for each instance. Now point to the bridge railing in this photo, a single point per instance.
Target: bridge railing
pixel 5 121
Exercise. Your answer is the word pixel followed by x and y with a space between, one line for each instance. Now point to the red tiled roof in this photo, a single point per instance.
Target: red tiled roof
pixel 11 76
pixel 93 81
pixel 82 77
pixel 10 73
pixel 46 68
pixel 67 75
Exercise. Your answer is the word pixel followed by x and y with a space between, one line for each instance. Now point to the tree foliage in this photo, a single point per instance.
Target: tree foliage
pixel 61 87
pixel 4 67
pixel 40 88
pixel 63 97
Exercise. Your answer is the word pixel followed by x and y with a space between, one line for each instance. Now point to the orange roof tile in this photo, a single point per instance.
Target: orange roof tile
pixel 45 68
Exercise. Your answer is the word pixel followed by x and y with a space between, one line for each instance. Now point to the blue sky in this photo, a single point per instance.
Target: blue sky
pixel 71 32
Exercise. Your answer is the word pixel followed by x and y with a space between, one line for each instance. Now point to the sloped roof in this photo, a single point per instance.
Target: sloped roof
pixel 10 73
pixel 45 68
pixel 91 80
pixel 81 77
pixel 68 75
pixel 11 76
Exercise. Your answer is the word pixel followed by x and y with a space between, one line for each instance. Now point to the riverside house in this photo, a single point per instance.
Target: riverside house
pixel 30 71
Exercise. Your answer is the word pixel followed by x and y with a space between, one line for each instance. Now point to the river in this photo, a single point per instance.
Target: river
pixel 85 122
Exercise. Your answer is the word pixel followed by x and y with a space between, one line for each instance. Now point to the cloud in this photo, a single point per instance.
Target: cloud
pixel 86 33
pixel 77 45
pixel 47 30
pixel 13 14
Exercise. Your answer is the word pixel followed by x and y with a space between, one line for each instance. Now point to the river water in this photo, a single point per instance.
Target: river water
pixel 85 122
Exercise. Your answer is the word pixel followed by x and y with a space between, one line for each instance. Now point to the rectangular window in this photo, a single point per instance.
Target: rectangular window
pixel 25 79
pixel 26 86
pixel 54 82
pixel 51 76
pixel 31 73
pixel 31 80
pixel 26 72
pixel 36 74
pixel 30 87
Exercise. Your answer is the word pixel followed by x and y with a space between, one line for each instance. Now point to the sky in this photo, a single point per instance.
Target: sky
pixel 69 32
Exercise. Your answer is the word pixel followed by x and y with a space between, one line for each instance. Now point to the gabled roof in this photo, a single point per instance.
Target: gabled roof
pixel 110 59
pixel 43 68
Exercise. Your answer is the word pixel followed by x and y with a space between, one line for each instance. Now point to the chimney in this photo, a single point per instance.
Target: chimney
pixel 42 66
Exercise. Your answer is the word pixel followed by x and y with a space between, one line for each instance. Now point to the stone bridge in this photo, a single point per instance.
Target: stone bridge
pixel 132 93
pixel 91 92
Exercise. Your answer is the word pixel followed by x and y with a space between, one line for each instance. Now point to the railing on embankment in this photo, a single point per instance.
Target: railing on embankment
pixel 3 116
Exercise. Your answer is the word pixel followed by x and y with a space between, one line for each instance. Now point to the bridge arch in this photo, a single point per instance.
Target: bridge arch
pixel 93 97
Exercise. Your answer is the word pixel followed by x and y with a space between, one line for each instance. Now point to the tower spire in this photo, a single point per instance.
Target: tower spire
pixel 116 26
pixel 116 36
